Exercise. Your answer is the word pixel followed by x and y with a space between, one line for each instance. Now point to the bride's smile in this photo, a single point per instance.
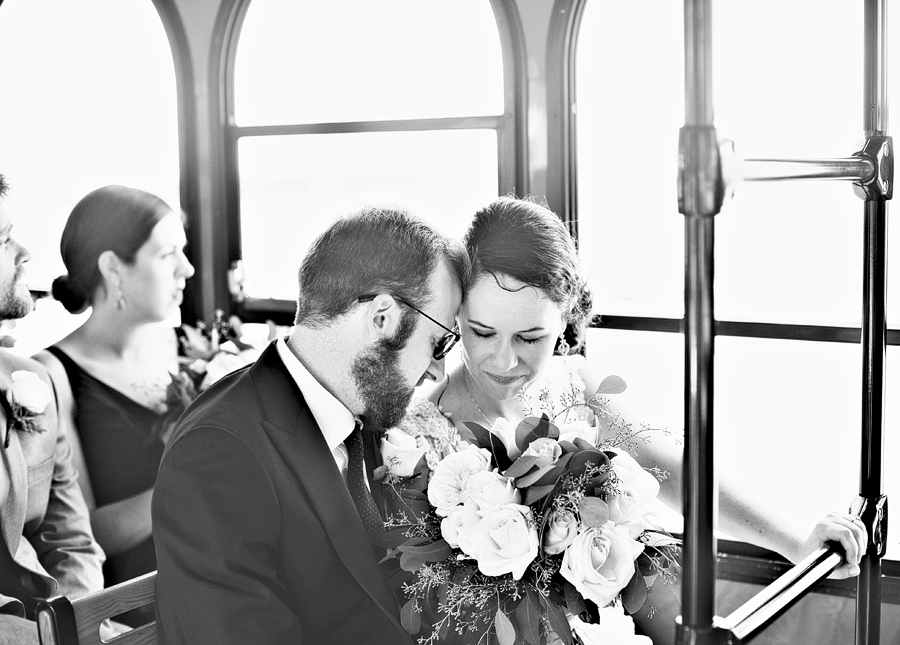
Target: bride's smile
pixel 509 331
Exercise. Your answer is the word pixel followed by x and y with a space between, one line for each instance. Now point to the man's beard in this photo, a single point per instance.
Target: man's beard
pixel 379 381
pixel 13 303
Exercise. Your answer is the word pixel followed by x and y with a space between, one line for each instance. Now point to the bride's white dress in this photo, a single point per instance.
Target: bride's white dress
pixel 559 394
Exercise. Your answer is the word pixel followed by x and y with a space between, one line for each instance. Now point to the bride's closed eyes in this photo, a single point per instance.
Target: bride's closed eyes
pixel 484 335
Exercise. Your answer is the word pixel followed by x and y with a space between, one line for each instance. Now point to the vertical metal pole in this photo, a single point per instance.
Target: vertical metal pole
pixel 868 596
pixel 700 197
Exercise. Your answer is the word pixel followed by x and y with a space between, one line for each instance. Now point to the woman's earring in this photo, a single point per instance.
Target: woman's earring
pixel 120 299
pixel 563 346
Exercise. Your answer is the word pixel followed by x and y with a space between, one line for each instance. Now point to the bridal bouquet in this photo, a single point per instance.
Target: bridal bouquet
pixel 525 537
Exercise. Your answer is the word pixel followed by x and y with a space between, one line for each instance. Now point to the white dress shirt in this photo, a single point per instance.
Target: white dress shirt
pixel 333 417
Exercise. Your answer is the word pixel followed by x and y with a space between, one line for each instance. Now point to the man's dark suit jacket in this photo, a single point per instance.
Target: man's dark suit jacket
pixel 257 538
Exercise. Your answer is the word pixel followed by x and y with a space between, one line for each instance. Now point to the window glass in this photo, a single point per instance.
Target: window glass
pixel 292 187
pixel 88 100
pixel 786 407
pixel 357 60
pixel 785 252
pixel 629 93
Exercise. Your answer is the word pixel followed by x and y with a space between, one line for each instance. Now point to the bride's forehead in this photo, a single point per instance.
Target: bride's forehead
pixel 487 298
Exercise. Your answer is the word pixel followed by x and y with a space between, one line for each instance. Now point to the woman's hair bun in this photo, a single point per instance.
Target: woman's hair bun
pixel 71 297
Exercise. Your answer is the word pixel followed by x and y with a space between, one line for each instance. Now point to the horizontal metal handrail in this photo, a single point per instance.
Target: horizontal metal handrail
pixel 778 597
pixel 860 169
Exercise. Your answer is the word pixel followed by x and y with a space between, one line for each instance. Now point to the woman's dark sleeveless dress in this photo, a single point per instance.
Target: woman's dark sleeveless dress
pixel 122 454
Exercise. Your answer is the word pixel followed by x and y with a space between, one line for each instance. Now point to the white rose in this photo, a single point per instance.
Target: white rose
pixel 221 364
pixel 505 541
pixel 506 432
pixel 29 391
pixel 447 487
pixel 636 497
pixel 487 490
pixel 600 562
pixel 561 531
pixel 614 626
pixel 457 527
pixel 581 429
pixel 400 452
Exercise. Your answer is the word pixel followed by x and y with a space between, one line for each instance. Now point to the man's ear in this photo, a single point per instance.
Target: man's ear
pixel 382 316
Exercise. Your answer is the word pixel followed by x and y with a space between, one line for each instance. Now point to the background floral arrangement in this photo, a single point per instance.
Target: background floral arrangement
pixel 527 535
pixel 206 353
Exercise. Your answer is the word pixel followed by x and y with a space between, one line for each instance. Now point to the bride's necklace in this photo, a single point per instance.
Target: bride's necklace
pixel 472 399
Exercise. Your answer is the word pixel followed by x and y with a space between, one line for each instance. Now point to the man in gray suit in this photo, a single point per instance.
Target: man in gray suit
pixel 48 547
pixel 261 510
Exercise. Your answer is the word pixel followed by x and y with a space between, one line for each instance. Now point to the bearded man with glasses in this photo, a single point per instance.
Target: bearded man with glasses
pixel 263 508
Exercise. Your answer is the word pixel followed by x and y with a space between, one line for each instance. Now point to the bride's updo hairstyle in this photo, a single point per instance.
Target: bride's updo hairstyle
pixel 525 241
pixel 112 218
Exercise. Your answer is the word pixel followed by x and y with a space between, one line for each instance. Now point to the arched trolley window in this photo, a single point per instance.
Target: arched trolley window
pixel 338 105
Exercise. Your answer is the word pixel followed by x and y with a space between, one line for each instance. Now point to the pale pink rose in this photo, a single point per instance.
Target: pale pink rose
pixel 506 432
pixel 487 490
pixel 29 391
pixel 400 452
pixel 600 562
pixel 546 450
pixel 636 497
pixel 560 532
pixel 614 626
pixel 505 541
pixel 447 487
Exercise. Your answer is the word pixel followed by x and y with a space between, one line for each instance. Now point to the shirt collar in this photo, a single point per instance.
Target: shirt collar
pixel 335 421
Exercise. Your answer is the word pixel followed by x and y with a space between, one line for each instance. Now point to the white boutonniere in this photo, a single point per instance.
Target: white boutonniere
pixel 26 399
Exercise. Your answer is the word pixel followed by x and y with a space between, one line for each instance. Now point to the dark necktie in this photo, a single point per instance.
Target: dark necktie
pixel 356 482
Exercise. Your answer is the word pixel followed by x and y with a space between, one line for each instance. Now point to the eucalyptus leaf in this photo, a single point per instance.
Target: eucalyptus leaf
pixel 410 618
pixel 506 633
pixel 611 385
pixel 634 595
pixel 536 493
pixel 486 439
pixel 521 466
pixel 594 512
pixel 528 617
pixel 431 552
pixel 558 622
pixel 531 428
pixel 533 477
pixel 574 601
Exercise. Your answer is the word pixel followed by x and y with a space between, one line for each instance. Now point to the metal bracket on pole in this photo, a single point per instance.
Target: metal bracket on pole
pixel 875 517
pixel 718 634
pixel 701 189
pixel 879 149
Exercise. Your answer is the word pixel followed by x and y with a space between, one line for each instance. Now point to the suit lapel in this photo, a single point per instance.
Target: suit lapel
pixel 17 501
pixel 290 421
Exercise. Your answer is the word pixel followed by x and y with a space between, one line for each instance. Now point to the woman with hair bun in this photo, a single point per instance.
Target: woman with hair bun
pixel 123 249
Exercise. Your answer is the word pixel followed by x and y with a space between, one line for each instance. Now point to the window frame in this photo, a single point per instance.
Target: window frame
pixel 511 129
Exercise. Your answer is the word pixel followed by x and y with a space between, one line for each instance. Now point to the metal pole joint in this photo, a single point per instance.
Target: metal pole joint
pixel 879 149
pixel 717 634
pixel 701 189
pixel 874 514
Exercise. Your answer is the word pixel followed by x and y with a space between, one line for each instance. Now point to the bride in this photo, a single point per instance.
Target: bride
pixel 520 322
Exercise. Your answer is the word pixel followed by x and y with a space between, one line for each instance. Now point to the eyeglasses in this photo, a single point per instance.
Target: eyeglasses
pixel 441 347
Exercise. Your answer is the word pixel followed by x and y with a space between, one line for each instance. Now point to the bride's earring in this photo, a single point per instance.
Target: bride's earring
pixel 563 345
pixel 120 299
